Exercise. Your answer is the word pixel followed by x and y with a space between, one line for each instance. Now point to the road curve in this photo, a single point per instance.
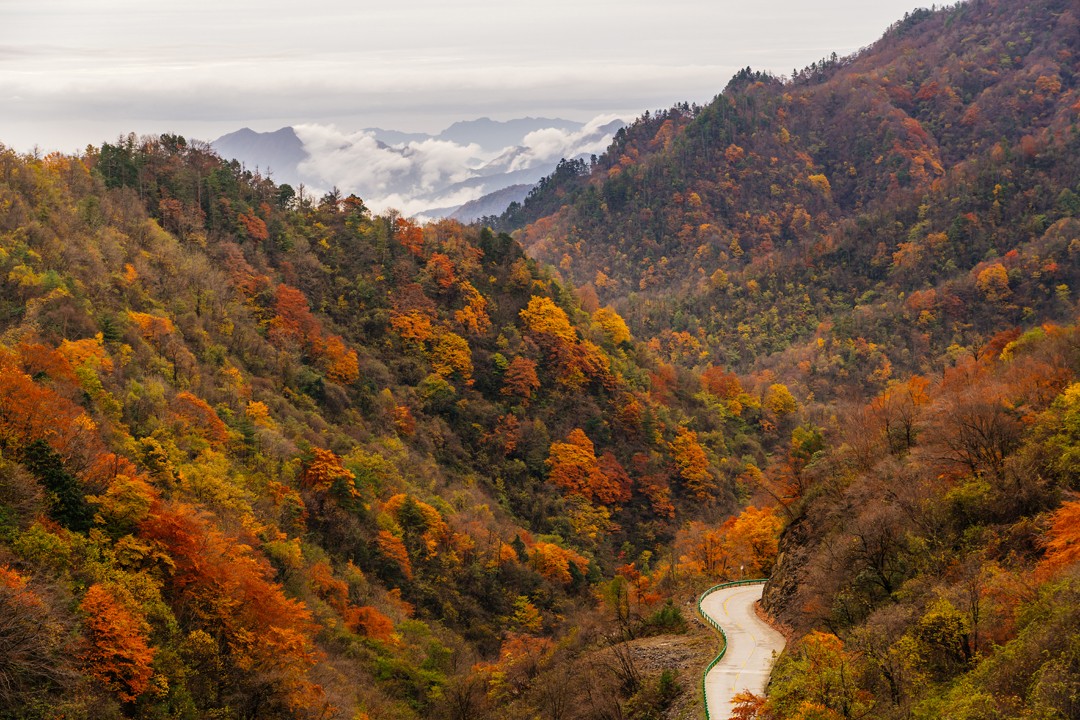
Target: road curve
pixel 750 647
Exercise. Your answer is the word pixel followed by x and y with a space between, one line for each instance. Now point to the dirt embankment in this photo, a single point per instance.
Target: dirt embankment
pixel 687 654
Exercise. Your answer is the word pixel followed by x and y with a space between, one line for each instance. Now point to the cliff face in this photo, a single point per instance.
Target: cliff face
pixel 780 593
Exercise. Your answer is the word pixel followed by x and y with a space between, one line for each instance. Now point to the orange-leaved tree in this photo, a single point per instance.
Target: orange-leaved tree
pixel 222 587
pixel 293 322
pixel 117 652
pixel 1062 541
pixel 899 409
pixel 393 549
pixel 410 235
pixel 338 362
pixel 724 385
pixel 325 473
pixel 369 622
pixel 520 380
pixel 701 550
pixel 31 411
pixel 441 270
pixel 196 413
pixel 554 562
pixel 752 540
pixel 575 468
pixel 294 325
pixel 473 316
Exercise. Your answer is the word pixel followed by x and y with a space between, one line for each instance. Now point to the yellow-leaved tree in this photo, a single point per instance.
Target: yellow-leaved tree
pixel 544 318
pixel 692 465
pixel 612 324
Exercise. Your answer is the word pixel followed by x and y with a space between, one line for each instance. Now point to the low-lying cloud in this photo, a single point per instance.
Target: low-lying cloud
pixel 553 144
pixel 357 161
pixel 431 173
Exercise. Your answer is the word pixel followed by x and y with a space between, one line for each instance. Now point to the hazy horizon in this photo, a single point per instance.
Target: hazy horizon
pixel 72 75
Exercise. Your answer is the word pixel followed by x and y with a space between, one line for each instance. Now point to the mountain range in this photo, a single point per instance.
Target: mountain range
pixel 464 170
pixel 288 458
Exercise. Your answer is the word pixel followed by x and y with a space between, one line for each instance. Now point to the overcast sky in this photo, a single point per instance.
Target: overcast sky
pixel 74 72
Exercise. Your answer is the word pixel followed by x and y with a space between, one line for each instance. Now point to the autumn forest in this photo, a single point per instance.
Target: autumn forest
pixel 268 454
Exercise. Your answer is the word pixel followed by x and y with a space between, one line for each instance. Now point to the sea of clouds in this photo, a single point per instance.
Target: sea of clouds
pixel 419 175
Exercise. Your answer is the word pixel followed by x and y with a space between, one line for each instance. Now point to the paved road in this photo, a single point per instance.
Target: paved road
pixel 751 644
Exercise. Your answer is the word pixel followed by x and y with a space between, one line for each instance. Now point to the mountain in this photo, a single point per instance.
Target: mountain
pixel 420 174
pixel 267 454
pixel 269 457
pixel 893 237
pixel 396 137
pixel 498 134
pixel 492 204
pixel 841 203
pixel 277 153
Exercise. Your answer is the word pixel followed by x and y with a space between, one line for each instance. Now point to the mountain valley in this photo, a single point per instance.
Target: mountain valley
pixel 322 424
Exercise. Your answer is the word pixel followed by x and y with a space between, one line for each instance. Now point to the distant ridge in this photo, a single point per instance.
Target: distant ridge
pixel 497 134
pixel 491 204
pixel 470 162
pixel 278 153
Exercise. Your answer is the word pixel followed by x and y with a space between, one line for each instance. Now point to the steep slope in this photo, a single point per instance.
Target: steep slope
pixel 930 564
pixel 867 199
pixel 265 457
pixel 893 235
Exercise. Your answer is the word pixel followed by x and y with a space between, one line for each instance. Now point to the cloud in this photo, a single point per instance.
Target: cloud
pixel 426 174
pixel 439 161
pixel 88 71
pixel 549 144
pixel 400 176
pixel 417 206
pixel 352 161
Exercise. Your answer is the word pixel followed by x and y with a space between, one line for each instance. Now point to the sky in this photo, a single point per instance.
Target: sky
pixel 78 72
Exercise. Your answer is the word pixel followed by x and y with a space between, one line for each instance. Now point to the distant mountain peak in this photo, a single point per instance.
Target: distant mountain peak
pixel 389 168
pixel 279 152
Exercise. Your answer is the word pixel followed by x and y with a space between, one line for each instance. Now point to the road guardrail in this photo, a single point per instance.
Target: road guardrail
pixel 716 626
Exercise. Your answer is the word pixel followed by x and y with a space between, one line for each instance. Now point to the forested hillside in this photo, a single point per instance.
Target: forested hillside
pixel 894 236
pixel 266 456
pixel 893 203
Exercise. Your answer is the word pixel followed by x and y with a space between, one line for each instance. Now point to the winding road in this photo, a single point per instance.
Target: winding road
pixel 750 647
